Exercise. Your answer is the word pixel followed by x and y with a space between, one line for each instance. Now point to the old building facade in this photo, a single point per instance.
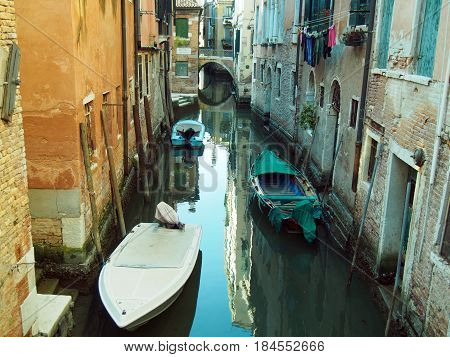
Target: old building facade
pixel 320 104
pixel 243 48
pixel 185 64
pixel 217 24
pixel 407 113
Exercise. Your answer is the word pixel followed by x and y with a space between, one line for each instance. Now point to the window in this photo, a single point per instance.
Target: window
pixel 262 73
pixel 294 88
pixel 427 48
pixel 147 75
pixel 255 75
pixel 279 82
pixel 140 76
pixel 256 33
pixel 322 95
pixel 359 12
pixel 354 113
pixel 228 11
pixel 181 69
pixel 372 158
pixel 182 28
pixel 445 248
pixel 90 125
pixel 317 13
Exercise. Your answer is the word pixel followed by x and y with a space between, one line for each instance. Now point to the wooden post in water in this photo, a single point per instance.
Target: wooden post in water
pixel 148 120
pixel 90 186
pixel 112 169
pixel 366 207
pixel 141 153
pixel 399 258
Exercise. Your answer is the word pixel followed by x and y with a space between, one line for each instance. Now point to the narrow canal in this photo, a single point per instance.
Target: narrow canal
pixel 249 280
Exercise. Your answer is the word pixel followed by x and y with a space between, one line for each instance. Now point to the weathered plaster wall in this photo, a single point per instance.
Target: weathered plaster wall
pixel 69 61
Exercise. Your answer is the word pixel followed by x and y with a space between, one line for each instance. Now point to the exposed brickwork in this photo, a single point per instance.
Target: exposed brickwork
pixel 15 221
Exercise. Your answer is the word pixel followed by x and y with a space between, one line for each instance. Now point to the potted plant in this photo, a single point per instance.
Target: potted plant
pixel 354 37
pixel 308 118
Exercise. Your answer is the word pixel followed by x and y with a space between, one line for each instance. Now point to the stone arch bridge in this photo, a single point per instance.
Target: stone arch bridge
pixel 222 57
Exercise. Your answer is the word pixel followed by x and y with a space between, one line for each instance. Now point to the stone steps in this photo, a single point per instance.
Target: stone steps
pixel 68 291
pixel 47 286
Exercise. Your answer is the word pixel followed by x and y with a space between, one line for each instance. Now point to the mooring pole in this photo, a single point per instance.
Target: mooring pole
pixel 141 153
pixel 112 169
pixel 366 207
pixel 399 258
pixel 90 186
pixel 148 120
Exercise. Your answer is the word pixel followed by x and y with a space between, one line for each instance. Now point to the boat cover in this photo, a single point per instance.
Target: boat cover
pixel 166 214
pixel 303 213
pixel 156 247
pixel 267 162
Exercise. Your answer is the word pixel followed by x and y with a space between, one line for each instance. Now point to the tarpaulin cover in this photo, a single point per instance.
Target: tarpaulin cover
pixel 267 162
pixel 304 213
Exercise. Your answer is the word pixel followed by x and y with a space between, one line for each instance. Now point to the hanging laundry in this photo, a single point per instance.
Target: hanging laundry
pixel 317 49
pixel 326 49
pixel 310 42
pixel 332 36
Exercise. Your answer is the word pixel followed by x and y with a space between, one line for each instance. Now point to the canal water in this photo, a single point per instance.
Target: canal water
pixel 249 280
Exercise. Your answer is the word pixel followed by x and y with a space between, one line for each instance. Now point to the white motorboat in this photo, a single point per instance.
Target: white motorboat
pixel 147 271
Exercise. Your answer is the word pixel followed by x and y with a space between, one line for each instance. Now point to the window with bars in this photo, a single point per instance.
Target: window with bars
pixel 181 69
pixel 354 113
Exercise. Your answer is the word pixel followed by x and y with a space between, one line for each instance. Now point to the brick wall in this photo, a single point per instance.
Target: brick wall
pixel 409 121
pixel 187 84
pixel 15 223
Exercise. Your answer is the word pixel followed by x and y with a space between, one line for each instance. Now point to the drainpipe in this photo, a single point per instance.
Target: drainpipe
pixel 137 41
pixel 124 87
pixel 437 145
pixel 362 111
pixel 297 70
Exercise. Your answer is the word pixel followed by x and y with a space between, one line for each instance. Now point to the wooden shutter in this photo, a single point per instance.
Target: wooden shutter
pixel 182 28
pixel 430 26
pixel 383 44
pixel 11 83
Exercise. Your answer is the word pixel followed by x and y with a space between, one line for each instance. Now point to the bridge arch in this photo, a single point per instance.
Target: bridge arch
pixel 204 62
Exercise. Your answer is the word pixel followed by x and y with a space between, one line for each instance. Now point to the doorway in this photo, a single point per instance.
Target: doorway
pixel 400 175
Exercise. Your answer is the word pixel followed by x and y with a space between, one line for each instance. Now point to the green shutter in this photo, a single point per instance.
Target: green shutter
pixel 182 28
pixel 430 25
pixel 11 83
pixel 383 45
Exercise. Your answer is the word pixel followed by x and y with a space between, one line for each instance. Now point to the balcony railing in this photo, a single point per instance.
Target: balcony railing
pixel 211 52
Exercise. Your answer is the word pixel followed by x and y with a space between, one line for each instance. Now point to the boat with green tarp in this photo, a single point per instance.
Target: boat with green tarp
pixel 286 194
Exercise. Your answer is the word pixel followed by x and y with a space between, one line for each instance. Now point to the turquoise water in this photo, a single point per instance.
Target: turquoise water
pixel 249 280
